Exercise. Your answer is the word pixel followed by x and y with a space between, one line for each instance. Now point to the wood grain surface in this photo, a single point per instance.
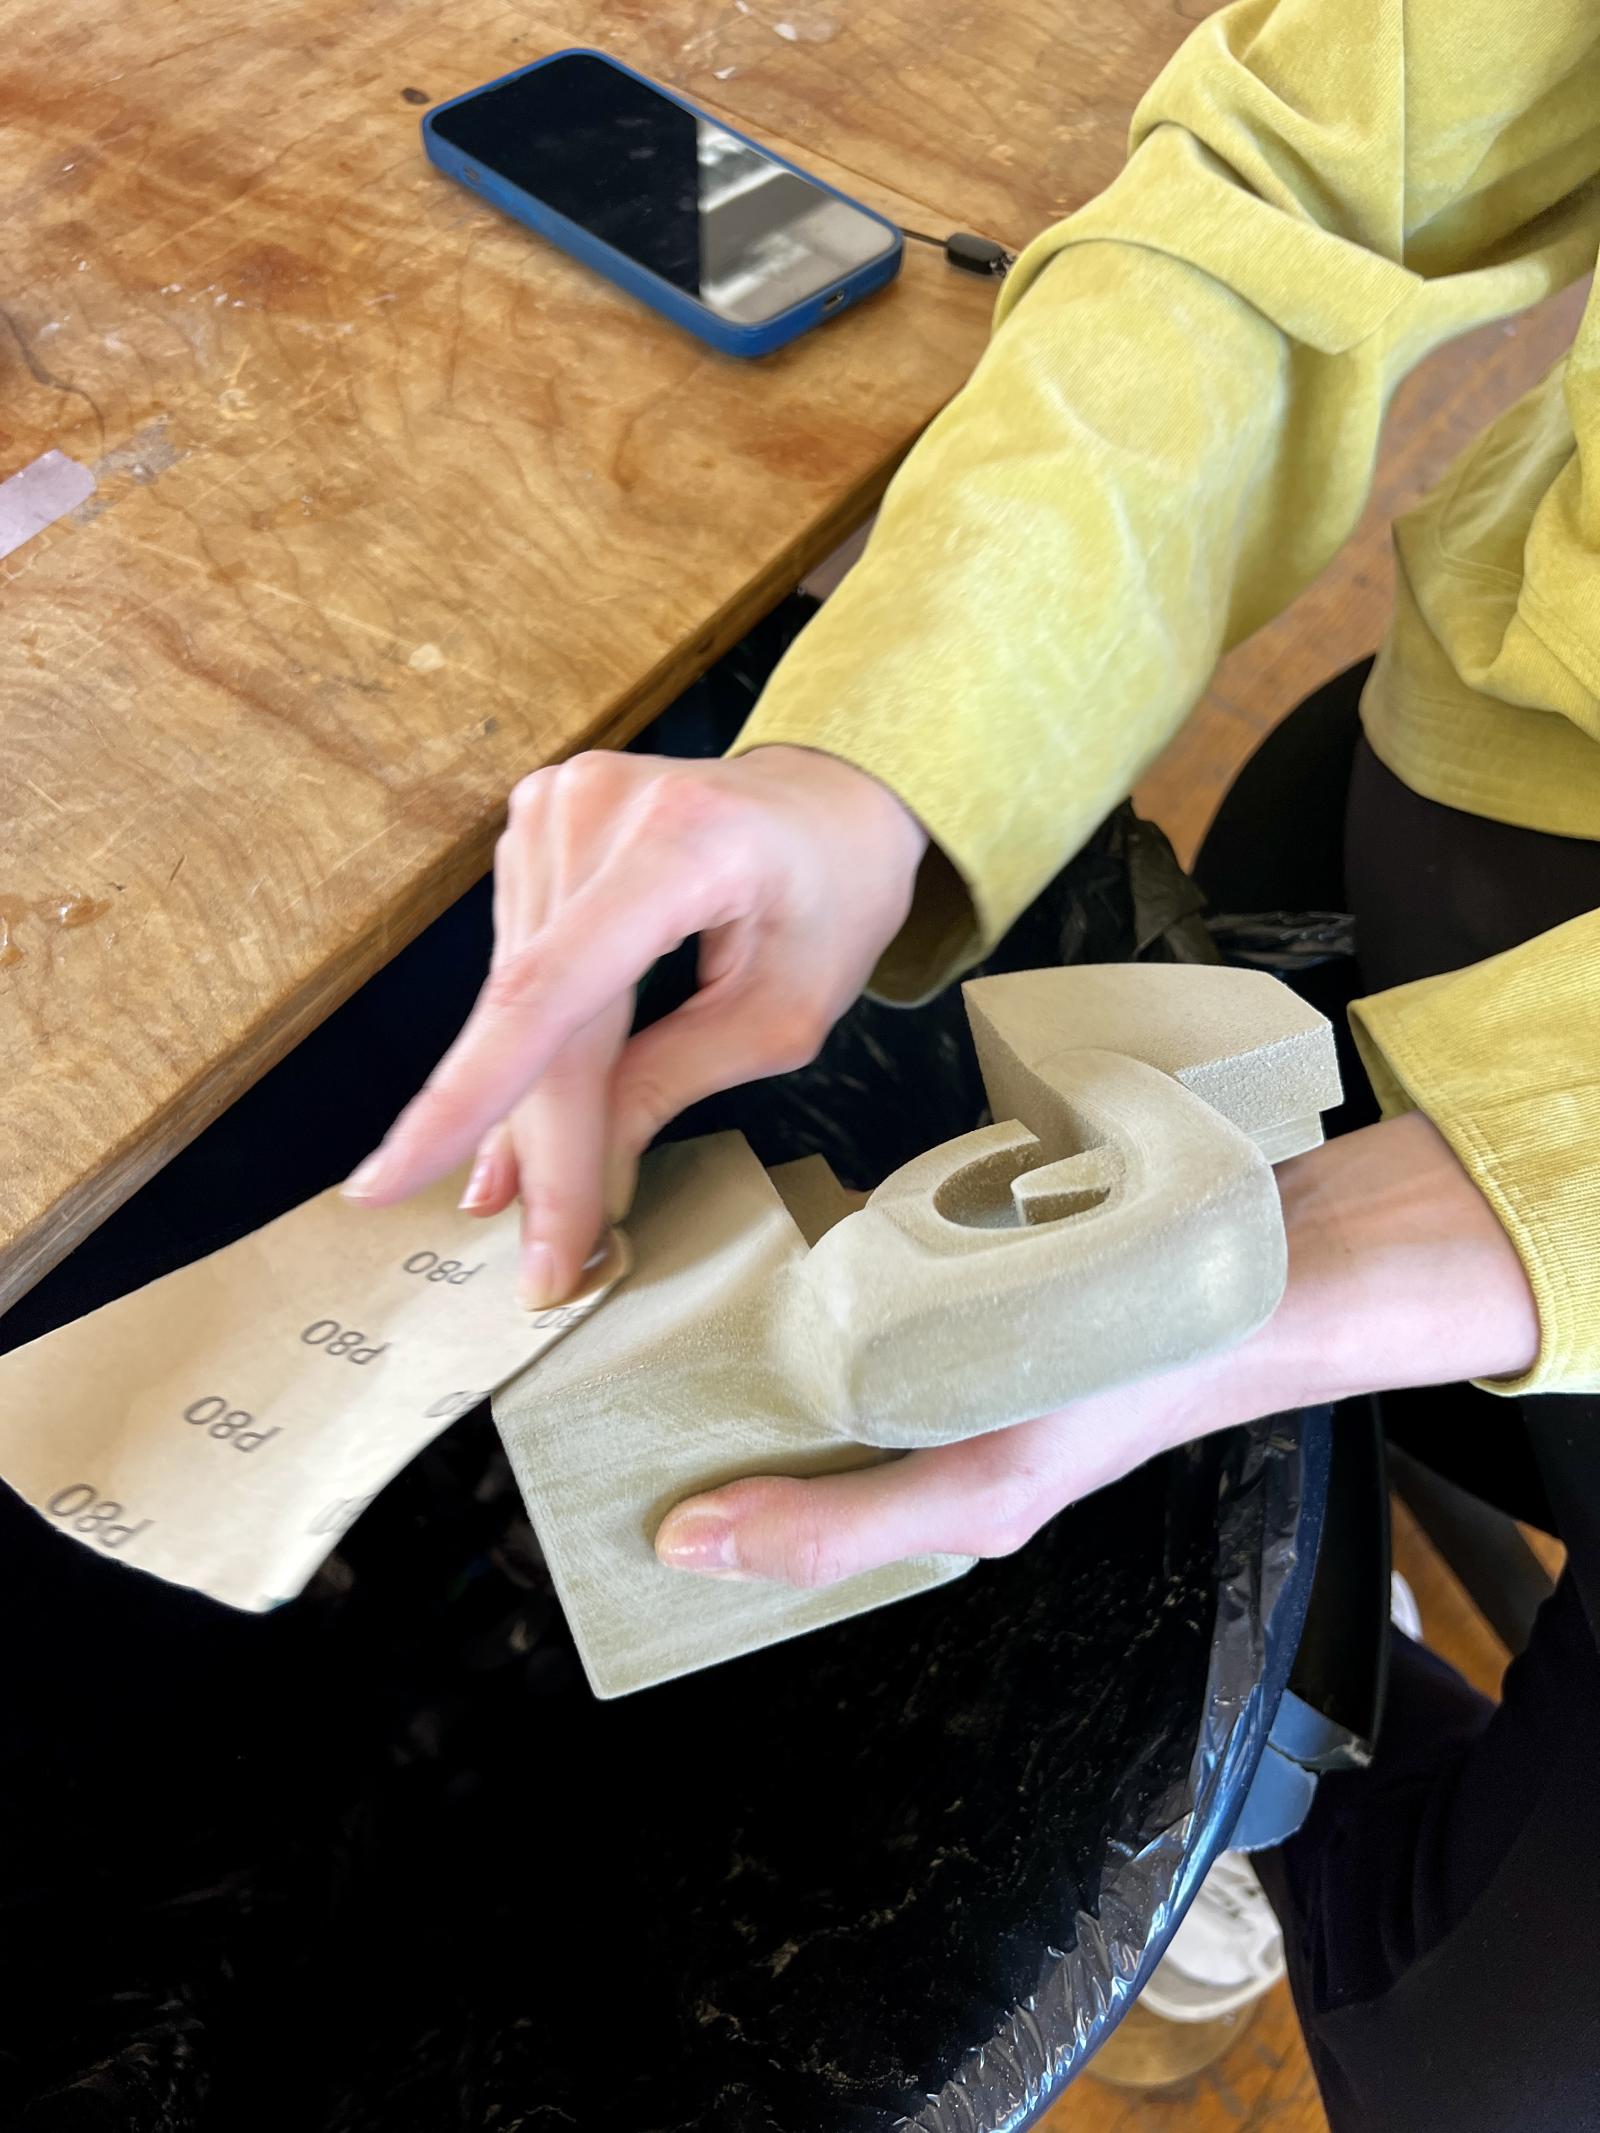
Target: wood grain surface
pixel 1000 115
pixel 393 505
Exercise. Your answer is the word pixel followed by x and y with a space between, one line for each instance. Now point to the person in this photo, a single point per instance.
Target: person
pixel 1171 433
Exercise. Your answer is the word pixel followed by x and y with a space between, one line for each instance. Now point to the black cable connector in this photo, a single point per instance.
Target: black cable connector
pixel 978 255
pixel 973 255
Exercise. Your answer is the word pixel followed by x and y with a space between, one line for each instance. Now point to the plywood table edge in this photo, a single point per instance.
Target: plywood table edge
pixel 70 1202
pixel 41 1242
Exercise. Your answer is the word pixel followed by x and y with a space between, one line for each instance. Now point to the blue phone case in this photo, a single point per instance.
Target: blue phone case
pixel 675 304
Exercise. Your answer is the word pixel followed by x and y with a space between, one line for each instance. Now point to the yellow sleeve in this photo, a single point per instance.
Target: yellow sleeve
pixel 1175 424
pixel 1501 1056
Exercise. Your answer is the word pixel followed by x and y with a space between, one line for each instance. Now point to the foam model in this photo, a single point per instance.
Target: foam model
pixel 1120 1218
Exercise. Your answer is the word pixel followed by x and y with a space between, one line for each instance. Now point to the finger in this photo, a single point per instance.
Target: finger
pixel 493 1183
pixel 638 908
pixel 953 1500
pixel 518 902
pixel 518 894
pixel 559 1129
pixel 560 1137
pixel 524 861
pixel 730 1032
pixel 505 863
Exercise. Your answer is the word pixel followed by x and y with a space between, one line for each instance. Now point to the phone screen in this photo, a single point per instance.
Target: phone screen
pixel 673 192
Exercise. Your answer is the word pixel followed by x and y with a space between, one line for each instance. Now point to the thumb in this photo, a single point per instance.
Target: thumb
pixel 816 1532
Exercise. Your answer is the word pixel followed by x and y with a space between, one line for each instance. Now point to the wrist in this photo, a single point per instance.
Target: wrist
pixel 838 783
pixel 1399 1274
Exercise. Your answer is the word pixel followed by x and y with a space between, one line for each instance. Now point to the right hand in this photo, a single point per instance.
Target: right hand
pixel 794 868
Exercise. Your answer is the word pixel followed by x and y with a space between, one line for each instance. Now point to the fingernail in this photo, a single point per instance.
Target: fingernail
pixel 622 1174
pixel 701 1541
pixel 364 1178
pixel 537 1288
pixel 477 1186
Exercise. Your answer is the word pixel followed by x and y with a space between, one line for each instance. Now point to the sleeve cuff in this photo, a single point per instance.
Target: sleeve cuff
pixel 1494 1056
pixel 951 924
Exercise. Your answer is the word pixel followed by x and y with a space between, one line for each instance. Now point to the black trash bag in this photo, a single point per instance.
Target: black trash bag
pixel 380 1861
pixel 381 1864
pixel 1287 943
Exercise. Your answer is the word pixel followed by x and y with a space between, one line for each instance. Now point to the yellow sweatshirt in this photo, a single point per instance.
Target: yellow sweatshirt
pixel 1174 429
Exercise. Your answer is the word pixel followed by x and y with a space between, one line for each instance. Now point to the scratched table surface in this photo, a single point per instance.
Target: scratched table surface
pixel 390 503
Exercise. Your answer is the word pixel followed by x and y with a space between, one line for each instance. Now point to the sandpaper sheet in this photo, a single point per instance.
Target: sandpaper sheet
pixel 223 1426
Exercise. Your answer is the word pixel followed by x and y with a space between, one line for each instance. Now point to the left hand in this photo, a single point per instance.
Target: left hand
pixel 982 1496
pixel 1399 1274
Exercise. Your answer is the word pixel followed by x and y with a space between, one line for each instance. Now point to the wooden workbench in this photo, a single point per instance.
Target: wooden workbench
pixel 392 504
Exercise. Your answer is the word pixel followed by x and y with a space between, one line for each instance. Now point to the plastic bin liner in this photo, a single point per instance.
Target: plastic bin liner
pixel 379 1861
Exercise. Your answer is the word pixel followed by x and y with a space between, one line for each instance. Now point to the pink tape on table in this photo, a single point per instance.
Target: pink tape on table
pixel 38 495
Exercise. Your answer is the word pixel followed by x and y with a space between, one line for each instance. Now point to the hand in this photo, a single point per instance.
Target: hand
pixel 1399 1274
pixel 795 869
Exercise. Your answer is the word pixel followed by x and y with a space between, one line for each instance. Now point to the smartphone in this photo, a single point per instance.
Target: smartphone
pixel 714 232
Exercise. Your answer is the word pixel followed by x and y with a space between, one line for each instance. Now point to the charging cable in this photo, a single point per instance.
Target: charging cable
pixel 973 255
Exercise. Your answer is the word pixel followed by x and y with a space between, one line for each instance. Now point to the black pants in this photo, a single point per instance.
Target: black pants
pixel 1442 1908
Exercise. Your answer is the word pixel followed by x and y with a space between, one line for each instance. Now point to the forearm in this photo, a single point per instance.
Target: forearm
pixel 1399 1274
pixel 1048 585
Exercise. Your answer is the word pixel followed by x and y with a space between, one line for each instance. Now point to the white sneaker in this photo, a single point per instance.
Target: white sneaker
pixel 1227 1952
